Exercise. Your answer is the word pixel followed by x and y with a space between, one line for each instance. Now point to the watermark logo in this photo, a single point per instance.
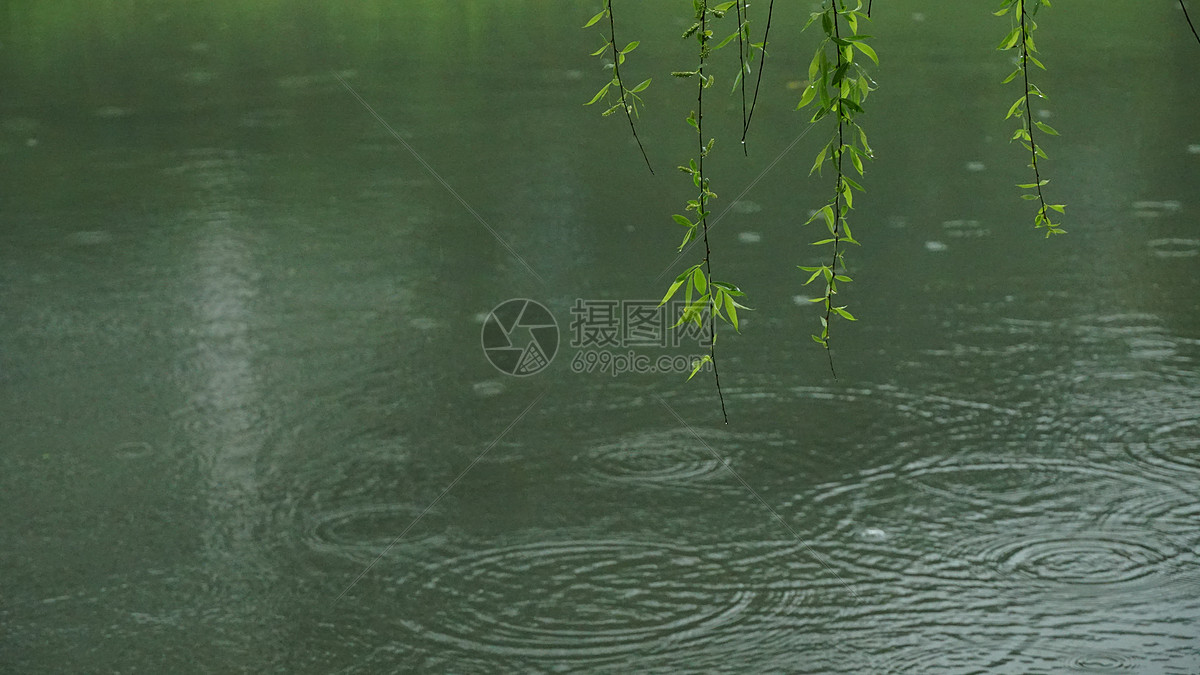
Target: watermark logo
pixel 632 324
pixel 520 337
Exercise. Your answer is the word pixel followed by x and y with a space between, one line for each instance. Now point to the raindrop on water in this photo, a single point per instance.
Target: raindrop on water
pixel 874 533
pixel 488 388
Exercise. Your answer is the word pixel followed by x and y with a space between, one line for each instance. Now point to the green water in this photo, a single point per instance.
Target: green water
pixel 247 424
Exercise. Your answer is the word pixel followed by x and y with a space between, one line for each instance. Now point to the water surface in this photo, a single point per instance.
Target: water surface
pixel 248 425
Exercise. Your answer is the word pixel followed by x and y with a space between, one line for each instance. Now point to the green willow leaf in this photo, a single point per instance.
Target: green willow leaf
pixel 827 211
pixel 1011 39
pixel 1046 128
pixel 866 49
pixel 600 94
pixel 1015 107
pixel 810 92
pixel 731 310
pixel 670 292
pixel 816 167
pixel 599 15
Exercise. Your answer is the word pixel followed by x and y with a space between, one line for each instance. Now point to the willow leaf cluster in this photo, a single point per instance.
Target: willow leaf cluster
pixel 838 85
pixel 703 296
pixel 837 88
pixel 627 99
pixel 1020 37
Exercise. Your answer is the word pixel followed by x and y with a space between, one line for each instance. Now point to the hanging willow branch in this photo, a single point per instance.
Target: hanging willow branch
pixel 745 57
pixel 715 298
pixel 758 83
pixel 628 98
pixel 1021 37
pixel 840 86
pixel 743 35
pixel 1189 20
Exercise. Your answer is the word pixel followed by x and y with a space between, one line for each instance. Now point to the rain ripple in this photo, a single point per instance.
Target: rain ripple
pixel 671 458
pixel 1156 428
pixel 1102 662
pixel 362 533
pixel 966 654
pixel 969 522
pixel 593 600
pixel 1174 247
pixel 1112 558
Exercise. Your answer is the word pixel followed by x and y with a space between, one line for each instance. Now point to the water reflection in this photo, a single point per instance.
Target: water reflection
pixel 226 417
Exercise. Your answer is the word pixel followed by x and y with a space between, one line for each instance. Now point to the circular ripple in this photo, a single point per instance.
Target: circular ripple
pixel 672 458
pixel 595 599
pixel 362 533
pixel 1029 485
pixel 1174 444
pixel 946 654
pixel 906 421
pixel 969 651
pixel 1158 427
pixel 1080 559
pixel 1128 526
pixel 911 421
pixel 1174 247
pixel 999 488
pixel 1102 662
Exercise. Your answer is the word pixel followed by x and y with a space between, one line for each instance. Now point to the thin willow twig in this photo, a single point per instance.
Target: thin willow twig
pixel 612 38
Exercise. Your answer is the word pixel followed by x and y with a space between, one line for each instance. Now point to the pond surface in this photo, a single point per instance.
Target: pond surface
pixel 248 425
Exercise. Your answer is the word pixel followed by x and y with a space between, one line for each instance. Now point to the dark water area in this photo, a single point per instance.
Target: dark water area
pixel 247 423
